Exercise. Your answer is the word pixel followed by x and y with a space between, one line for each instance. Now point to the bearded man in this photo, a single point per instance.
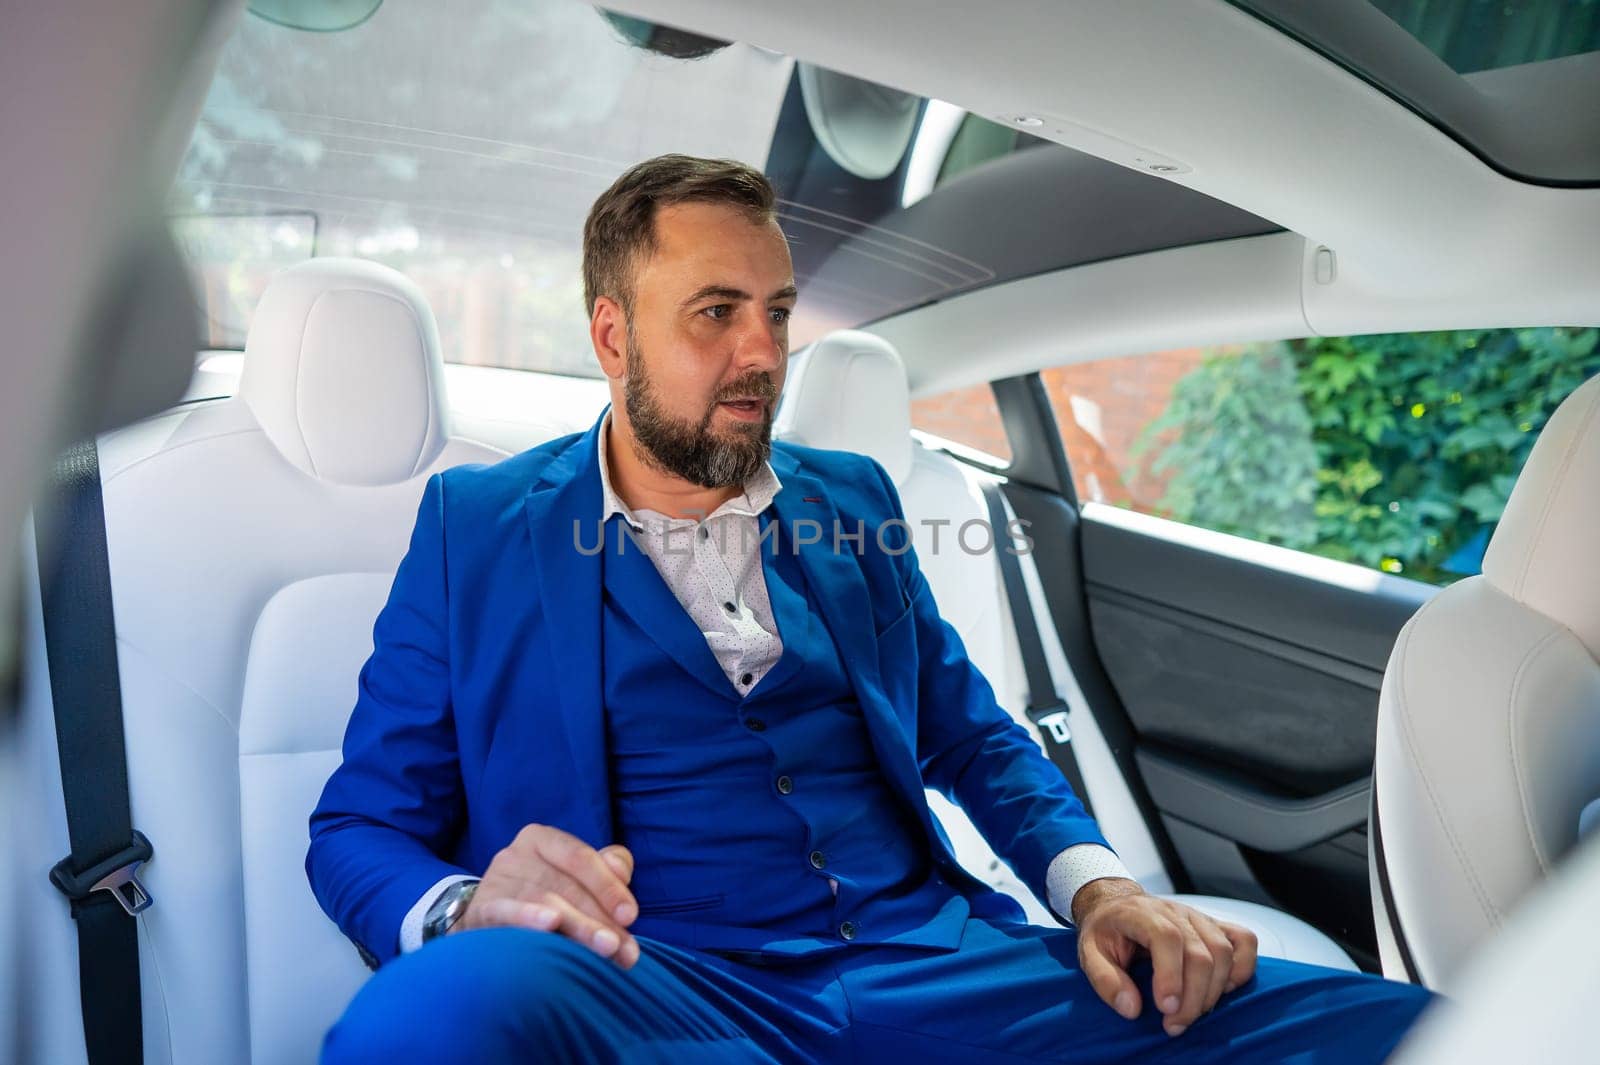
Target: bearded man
pixel 664 801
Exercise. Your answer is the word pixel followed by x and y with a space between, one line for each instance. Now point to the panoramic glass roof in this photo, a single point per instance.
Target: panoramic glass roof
pixel 1473 35
pixel 463 144
pixel 1514 81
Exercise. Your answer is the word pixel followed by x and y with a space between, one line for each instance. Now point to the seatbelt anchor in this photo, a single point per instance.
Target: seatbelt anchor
pixel 118 875
pixel 1052 717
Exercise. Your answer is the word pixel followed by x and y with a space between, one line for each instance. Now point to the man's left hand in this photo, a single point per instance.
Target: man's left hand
pixel 1197 959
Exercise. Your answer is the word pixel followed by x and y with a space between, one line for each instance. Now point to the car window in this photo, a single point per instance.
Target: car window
pixel 232 257
pixel 1393 451
pixel 966 417
pixel 471 169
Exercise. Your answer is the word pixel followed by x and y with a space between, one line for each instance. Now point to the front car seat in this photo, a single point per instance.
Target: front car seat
pixel 1488 745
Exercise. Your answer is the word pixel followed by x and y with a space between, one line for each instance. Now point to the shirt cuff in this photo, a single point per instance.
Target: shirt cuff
pixel 1076 866
pixel 411 927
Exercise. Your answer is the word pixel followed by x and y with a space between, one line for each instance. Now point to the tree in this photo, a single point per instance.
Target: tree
pixel 1395 451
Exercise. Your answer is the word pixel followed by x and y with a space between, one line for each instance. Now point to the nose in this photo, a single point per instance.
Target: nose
pixel 762 345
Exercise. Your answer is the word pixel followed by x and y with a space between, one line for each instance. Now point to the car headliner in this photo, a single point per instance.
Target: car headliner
pixel 1422 233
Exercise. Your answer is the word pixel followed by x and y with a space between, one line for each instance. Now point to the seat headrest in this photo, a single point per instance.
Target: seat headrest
pixel 342 369
pixel 1542 554
pixel 851 395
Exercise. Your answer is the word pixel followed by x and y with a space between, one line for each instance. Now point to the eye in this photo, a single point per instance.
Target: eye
pixel 781 315
pixel 717 311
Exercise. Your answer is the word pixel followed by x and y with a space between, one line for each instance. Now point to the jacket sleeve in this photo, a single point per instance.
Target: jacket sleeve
pixel 972 751
pixel 395 804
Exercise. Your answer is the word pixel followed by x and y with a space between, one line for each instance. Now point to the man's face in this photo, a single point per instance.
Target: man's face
pixel 708 343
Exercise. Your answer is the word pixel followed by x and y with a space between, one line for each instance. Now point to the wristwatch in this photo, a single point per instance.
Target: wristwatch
pixel 447 909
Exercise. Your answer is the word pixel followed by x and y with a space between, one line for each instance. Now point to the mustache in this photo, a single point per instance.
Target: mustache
pixel 754 385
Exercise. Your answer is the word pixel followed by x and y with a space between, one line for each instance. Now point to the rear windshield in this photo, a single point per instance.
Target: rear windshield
pixel 470 168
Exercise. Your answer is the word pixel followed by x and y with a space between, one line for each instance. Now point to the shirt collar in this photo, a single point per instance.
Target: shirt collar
pixel 757 496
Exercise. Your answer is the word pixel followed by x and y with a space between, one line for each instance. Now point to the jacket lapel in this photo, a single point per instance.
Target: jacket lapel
pixel 563 512
pixel 839 593
pixel 637 588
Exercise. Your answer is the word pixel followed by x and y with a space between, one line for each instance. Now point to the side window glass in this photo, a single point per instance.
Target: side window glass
pixel 966 417
pixel 1393 451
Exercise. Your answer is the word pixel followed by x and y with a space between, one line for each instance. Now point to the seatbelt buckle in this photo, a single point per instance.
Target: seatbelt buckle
pixel 118 876
pixel 1052 718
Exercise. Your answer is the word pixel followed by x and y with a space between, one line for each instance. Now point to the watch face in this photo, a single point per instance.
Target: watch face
pixel 447 909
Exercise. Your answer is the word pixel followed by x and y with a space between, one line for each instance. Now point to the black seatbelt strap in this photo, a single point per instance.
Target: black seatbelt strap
pixel 100 876
pixel 1046 709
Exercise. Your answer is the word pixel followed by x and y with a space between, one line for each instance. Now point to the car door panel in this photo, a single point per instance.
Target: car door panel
pixel 1249 678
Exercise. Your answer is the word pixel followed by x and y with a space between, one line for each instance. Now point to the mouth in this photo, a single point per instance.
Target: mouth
pixel 750 410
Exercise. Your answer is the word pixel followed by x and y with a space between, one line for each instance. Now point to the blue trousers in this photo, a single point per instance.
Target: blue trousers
pixel 1010 994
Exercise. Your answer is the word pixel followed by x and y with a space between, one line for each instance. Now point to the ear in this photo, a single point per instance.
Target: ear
pixel 608 332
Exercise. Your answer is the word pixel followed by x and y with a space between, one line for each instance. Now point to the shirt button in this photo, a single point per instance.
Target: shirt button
pixel 730 608
pixel 704 532
pixel 847 930
pixel 818 860
pixel 747 678
pixel 755 724
pixel 785 785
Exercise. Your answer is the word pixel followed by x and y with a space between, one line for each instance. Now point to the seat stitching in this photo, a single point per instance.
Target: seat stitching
pixel 1415 750
pixel 1516 763
pixel 427 371
pixel 169 449
pixel 161 986
pixel 1555 490
pixel 299 365
pixel 172 676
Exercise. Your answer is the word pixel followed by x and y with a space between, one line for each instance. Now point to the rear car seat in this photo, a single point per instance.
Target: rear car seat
pixel 850 392
pixel 252 542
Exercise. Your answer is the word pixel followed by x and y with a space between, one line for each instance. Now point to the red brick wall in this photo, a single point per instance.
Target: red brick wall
pixel 1130 392
pixel 967 416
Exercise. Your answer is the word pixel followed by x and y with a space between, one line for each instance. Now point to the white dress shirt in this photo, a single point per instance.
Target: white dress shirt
pixel 713 567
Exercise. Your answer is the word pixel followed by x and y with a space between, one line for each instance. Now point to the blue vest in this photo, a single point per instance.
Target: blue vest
pixel 761 822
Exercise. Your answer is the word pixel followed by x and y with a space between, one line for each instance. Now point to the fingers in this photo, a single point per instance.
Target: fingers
pixel 1244 954
pixel 620 859
pixel 1195 959
pixel 1220 949
pixel 1165 942
pixel 584 864
pixel 552 913
pixel 1114 986
pixel 574 892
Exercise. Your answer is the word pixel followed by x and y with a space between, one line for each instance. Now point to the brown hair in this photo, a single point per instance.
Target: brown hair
pixel 621 224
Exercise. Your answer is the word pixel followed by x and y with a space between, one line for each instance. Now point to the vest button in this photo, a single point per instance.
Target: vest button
pixel 847 930
pixel 755 724
pixel 818 860
pixel 785 785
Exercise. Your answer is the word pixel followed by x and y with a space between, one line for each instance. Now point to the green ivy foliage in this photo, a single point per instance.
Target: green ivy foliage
pixel 1395 451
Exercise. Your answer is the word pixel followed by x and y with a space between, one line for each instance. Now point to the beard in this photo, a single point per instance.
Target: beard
pixel 693 450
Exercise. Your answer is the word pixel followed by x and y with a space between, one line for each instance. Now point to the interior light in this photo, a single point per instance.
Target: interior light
pixel 1028 120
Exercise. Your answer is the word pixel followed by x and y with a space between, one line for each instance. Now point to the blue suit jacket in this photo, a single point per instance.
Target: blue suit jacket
pixel 480 710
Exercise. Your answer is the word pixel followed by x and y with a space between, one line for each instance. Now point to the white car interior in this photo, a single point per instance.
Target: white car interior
pixel 254 527
pixel 252 541
pixel 1489 721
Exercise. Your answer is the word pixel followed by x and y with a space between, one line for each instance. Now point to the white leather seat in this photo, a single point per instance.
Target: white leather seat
pixel 849 392
pixel 252 542
pixel 1488 745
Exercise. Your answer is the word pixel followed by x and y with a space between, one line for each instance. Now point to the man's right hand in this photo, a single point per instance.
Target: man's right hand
pixel 551 881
